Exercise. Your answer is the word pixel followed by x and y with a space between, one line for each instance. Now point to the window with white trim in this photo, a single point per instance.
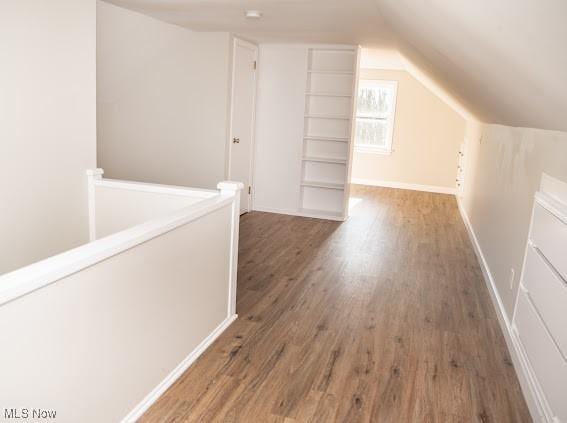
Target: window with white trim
pixel 376 107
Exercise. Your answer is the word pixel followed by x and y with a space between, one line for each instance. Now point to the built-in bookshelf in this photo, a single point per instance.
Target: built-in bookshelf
pixel 329 97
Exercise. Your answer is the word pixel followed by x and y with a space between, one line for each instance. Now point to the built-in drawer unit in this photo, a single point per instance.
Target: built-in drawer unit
pixel 548 364
pixel 549 234
pixel 548 292
pixel 540 317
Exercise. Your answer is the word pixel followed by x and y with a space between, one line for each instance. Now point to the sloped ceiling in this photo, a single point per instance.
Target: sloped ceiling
pixel 503 60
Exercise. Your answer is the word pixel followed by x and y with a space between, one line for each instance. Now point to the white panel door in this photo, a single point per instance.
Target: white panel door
pixel 242 118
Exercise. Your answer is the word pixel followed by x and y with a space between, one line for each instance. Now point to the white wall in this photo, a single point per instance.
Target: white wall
pixel 163 100
pixel 47 126
pixel 119 209
pixel 280 107
pixel 427 136
pixel 503 171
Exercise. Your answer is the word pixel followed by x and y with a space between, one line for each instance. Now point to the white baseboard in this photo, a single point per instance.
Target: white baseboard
pixel 403 185
pixel 158 391
pixel 532 392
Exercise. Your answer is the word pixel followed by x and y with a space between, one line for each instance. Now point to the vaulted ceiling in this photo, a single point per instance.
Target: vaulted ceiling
pixel 504 60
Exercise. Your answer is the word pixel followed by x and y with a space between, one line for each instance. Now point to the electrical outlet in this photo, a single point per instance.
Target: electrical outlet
pixel 512 276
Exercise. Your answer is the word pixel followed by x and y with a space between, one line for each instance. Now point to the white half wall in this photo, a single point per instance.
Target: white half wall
pixel 503 171
pixel 427 136
pixel 163 100
pixel 102 344
pixel 47 126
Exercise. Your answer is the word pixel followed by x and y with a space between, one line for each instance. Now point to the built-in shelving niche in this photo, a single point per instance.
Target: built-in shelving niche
pixel 327 131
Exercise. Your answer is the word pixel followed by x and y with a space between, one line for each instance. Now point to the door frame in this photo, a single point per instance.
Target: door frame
pixel 254 47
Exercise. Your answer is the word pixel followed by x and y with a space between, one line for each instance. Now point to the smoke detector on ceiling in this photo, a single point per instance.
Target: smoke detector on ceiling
pixel 253 14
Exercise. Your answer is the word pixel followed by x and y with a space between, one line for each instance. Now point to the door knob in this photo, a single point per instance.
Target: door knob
pixel 236 140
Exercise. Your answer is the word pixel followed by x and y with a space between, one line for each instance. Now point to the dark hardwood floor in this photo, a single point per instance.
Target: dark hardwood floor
pixel 383 318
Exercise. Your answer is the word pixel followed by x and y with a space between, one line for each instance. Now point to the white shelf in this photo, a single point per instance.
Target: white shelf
pixel 330 72
pixel 324 159
pixel 322 116
pixel 333 49
pixel 327 94
pixel 325 185
pixel 322 214
pixel 320 138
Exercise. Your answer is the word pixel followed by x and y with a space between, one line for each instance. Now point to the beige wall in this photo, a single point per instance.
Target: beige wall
pixel 163 100
pixel 427 136
pixel 47 126
pixel 503 171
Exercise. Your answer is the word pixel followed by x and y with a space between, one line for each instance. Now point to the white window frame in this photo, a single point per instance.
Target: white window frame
pixel 378 83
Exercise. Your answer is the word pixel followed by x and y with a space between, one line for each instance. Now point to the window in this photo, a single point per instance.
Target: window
pixel 376 107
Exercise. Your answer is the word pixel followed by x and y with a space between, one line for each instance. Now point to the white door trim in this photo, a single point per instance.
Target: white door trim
pixel 254 48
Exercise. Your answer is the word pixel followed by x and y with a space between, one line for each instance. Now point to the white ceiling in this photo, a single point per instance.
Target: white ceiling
pixel 504 60
pixel 332 21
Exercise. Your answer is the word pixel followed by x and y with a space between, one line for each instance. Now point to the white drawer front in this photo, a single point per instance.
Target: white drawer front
pixel 545 359
pixel 549 295
pixel 550 235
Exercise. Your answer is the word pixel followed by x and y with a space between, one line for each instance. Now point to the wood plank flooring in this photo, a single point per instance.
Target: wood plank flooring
pixel 383 318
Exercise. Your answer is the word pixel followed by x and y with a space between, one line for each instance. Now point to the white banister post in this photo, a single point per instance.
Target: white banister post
pixel 92 176
pixel 232 189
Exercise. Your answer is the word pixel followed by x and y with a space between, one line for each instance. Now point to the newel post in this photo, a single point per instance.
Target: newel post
pixel 92 176
pixel 232 189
